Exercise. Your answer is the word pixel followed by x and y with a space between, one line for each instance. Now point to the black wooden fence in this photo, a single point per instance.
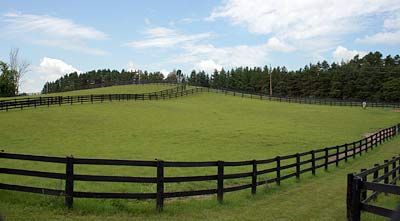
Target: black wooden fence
pixel 278 169
pixel 22 103
pixel 300 100
pixel 379 179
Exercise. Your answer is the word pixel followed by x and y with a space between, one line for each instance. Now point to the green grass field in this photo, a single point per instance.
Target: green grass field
pixel 199 127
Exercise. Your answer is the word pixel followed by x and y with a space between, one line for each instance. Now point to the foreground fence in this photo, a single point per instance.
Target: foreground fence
pixel 275 169
pixel 331 102
pixel 383 180
pixel 22 103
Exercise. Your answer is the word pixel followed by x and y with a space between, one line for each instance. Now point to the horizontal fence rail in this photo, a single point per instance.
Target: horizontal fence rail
pixel 179 91
pixel 276 169
pixel 379 179
pixel 21 103
pixel 302 100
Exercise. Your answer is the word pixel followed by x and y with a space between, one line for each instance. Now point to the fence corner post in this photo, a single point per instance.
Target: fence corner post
pixel 69 182
pixel 160 186
pixel 353 198
pixel 220 184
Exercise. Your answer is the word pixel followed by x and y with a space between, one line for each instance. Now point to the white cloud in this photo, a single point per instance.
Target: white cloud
pixel 343 54
pixel 24 23
pixel 210 56
pixel 49 69
pixel 208 66
pixel 278 45
pixel 161 37
pixel 131 66
pixel 52 31
pixel 390 34
pixel 299 22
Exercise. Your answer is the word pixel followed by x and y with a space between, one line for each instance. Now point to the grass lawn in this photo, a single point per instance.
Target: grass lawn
pixel 200 127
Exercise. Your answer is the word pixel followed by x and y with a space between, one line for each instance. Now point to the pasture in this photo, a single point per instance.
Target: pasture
pixel 200 127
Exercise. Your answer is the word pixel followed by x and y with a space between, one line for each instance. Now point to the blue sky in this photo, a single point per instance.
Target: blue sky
pixel 58 37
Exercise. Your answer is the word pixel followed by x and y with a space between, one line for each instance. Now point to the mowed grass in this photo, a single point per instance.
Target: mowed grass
pixel 198 127
pixel 122 89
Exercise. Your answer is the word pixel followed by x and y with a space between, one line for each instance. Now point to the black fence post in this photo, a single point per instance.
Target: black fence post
pixel 220 184
pixel 337 156
pixel 313 162
pixel 254 178
pixel 364 192
pixel 326 158
pixel 278 170
pixel 354 150
pixel 394 170
pixel 386 171
pixel 160 186
pixel 345 152
pixel 350 195
pixel 360 147
pixel 69 182
pixel 297 165
pixel 355 205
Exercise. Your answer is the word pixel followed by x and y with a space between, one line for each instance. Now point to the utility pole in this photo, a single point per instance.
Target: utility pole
pixel 270 81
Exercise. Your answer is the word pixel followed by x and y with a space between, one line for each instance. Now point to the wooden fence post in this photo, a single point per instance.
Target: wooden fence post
pixel 386 171
pixel 313 162
pixel 254 178
pixel 360 147
pixel 297 165
pixel 364 192
pixel 337 156
pixel 220 184
pixel 278 170
pixel 69 182
pixel 394 169
pixel 326 158
pixel 160 186
pixel 345 152
pixel 354 150
pixel 354 204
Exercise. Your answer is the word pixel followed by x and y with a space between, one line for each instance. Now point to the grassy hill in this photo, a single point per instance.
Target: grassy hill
pixel 205 126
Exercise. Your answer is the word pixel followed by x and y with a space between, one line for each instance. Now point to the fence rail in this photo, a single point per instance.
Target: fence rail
pixel 300 100
pixel 359 183
pixel 279 168
pixel 22 103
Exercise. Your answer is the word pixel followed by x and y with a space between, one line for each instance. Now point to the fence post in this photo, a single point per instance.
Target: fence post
pixel 386 171
pixel 345 152
pixel 380 137
pixel 297 165
pixel 360 147
pixel 375 176
pixel 337 156
pixel 354 150
pixel 326 158
pixel 254 178
pixel 69 182
pixel 160 185
pixel 220 184
pixel 91 98
pixel 313 162
pixel 364 192
pixel 394 170
pixel 278 170
pixel 353 198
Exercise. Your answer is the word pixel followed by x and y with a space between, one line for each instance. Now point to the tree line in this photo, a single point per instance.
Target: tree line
pixel 372 77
